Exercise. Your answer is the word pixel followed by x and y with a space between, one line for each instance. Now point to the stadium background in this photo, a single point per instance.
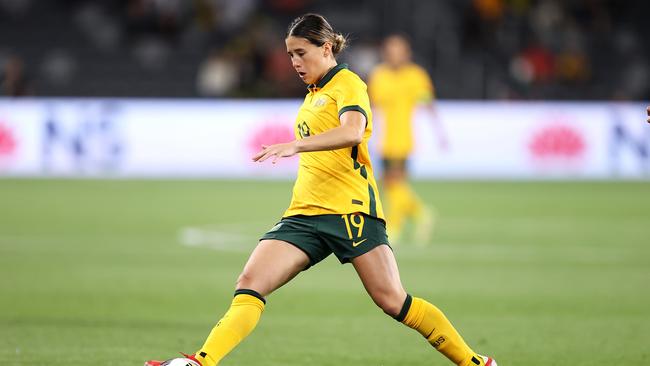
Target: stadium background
pixel 128 207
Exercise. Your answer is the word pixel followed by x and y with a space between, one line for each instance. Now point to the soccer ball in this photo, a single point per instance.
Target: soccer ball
pixel 181 361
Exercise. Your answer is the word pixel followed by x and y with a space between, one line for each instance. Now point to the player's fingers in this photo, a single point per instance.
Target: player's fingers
pixel 267 155
pixel 260 154
pixel 262 158
pixel 257 156
pixel 280 154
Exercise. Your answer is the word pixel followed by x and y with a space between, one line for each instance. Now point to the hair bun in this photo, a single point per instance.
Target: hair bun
pixel 339 43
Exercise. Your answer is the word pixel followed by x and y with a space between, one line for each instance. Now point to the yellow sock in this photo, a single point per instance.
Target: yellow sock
pixel 413 203
pixel 417 209
pixel 238 322
pixel 436 328
pixel 397 208
pixel 402 203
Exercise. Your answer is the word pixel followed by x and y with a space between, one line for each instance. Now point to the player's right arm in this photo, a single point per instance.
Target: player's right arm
pixel 348 134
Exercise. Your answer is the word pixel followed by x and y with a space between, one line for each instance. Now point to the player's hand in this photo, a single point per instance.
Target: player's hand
pixel 278 151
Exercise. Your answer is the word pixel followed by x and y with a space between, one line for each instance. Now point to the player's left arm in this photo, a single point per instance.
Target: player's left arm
pixel 348 134
pixel 429 100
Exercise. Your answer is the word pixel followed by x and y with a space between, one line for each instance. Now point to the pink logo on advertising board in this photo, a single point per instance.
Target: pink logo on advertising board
pixel 7 141
pixel 557 141
pixel 271 132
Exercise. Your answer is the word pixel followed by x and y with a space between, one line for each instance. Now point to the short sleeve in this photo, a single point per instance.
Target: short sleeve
pixel 423 86
pixel 352 95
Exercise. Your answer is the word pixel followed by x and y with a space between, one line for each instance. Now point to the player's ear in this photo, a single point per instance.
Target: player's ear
pixel 327 49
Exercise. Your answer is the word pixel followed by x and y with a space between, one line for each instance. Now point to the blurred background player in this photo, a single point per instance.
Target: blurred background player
pixel 397 87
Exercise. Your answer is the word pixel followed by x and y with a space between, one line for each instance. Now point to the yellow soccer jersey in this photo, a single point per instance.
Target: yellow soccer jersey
pixel 396 93
pixel 336 181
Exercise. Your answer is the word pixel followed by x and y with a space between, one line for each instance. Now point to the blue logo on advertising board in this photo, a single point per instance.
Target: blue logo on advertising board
pixel 82 138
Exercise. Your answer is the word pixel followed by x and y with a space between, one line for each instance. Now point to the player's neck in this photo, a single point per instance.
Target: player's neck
pixel 330 66
pixel 397 66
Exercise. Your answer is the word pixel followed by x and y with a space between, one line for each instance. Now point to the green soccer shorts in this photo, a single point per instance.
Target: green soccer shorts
pixel 347 236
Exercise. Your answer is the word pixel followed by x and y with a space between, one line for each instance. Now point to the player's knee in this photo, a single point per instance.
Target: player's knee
pixel 248 281
pixel 390 301
pixel 245 280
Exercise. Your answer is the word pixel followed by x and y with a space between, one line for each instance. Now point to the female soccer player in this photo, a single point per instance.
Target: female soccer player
pixel 334 209
pixel 397 86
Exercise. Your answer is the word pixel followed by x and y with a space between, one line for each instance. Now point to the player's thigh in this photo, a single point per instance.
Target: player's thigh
pixel 272 264
pixel 379 274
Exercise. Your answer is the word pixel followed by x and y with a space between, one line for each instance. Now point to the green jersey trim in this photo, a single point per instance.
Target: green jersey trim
pixel 328 76
pixel 354 108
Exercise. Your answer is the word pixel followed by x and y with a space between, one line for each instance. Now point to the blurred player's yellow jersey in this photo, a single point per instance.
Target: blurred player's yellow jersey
pixel 395 92
pixel 335 181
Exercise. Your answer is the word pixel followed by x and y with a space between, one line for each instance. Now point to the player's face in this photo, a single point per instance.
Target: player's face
pixel 309 61
pixel 396 51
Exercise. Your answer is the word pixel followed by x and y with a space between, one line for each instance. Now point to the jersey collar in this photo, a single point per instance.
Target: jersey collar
pixel 328 76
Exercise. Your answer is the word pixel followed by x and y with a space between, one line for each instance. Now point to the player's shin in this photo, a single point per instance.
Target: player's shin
pixel 436 328
pixel 238 322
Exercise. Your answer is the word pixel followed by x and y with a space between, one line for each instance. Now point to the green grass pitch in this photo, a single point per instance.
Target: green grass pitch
pixel 536 274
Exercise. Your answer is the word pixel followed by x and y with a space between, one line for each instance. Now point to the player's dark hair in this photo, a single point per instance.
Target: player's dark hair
pixel 316 29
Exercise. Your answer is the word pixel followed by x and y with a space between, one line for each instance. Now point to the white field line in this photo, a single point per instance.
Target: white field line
pixel 230 237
